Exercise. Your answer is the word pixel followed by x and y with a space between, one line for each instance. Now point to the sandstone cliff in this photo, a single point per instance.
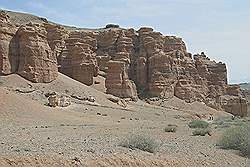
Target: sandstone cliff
pixel 140 63
pixel 36 61
pixel 25 50
pixel 7 44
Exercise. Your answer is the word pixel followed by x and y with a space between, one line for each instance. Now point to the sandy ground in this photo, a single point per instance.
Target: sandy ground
pixel 89 134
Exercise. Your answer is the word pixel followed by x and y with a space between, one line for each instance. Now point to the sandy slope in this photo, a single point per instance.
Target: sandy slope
pixel 85 134
pixel 62 84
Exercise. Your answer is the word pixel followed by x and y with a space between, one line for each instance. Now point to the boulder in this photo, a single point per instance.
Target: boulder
pixel 118 101
pixel 57 100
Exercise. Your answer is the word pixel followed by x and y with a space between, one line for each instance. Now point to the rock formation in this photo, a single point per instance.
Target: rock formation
pixel 246 94
pixel 117 82
pixel 7 45
pixel 25 50
pixel 234 101
pixel 78 58
pixel 56 36
pixel 36 61
pixel 144 62
pixel 58 100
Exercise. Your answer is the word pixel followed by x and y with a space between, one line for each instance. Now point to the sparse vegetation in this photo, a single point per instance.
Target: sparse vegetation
pixel 170 128
pixel 202 132
pixel 198 124
pixel 236 138
pixel 140 142
pixel 229 122
pixel 245 86
pixel 112 26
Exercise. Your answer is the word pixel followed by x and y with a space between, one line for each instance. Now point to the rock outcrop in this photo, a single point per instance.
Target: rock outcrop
pixel 78 58
pixel 142 62
pixel 234 101
pixel 117 82
pixel 58 100
pixel 7 45
pixel 25 50
pixel 246 94
pixel 161 66
pixel 36 61
pixel 56 36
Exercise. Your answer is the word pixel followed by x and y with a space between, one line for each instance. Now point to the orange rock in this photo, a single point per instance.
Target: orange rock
pixel 78 59
pixel 117 81
pixel 36 61
pixel 7 45
pixel 159 65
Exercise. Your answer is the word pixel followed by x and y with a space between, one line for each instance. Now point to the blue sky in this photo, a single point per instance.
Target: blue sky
pixel 220 28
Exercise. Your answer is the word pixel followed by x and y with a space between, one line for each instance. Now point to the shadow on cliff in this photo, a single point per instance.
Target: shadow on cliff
pixel 14 54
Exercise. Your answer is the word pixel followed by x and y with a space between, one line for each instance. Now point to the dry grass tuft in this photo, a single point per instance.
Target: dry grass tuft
pixel 140 142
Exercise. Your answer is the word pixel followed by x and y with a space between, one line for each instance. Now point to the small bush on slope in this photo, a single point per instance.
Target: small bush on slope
pixel 170 128
pixel 228 122
pixel 198 124
pixel 140 142
pixel 202 132
pixel 237 138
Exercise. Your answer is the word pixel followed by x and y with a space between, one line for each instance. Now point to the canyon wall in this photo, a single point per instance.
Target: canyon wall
pixel 7 45
pixel 140 63
pixel 24 50
pixel 36 61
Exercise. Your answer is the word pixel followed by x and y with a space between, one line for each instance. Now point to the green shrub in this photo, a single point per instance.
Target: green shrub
pixel 170 128
pixel 140 142
pixel 198 124
pixel 201 132
pixel 228 122
pixel 112 26
pixel 236 138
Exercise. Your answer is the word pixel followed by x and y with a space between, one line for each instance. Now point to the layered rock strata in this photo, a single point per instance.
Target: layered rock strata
pixel 36 61
pixel 117 82
pixel 142 62
pixel 78 58
pixel 7 45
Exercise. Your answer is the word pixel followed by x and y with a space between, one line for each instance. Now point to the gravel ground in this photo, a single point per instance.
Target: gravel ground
pixel 32 133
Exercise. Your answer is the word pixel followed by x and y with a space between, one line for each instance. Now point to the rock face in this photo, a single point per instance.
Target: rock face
pixel 25 50
pixel 115 51
pixel 7 45
pixel 78 59
pixel 246 94
pixel 161 66
pixel 36 61
pixel 117 81
pixel 142 62
pixel 56 36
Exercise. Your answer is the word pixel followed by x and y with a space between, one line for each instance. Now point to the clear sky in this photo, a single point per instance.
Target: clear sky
pixel 220 28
